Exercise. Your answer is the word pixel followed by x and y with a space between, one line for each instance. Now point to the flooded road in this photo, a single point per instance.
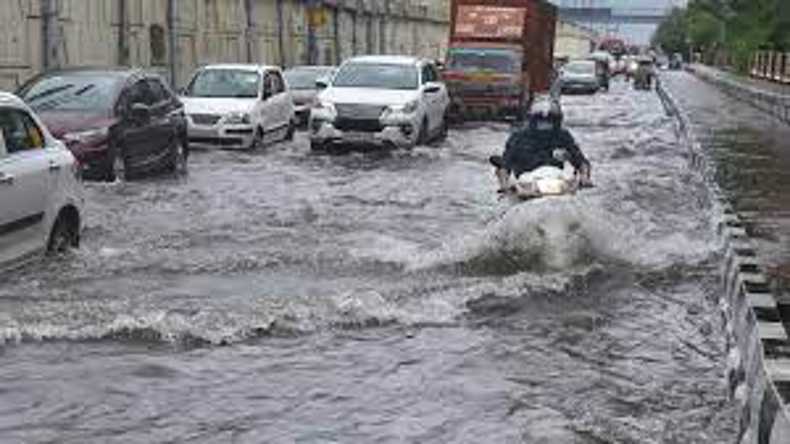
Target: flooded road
pixel 286 297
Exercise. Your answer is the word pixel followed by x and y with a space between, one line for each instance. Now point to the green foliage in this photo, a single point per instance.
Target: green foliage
pixel 736 28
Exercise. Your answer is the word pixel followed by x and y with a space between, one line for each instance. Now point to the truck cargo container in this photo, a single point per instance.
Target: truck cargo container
pixel 500 56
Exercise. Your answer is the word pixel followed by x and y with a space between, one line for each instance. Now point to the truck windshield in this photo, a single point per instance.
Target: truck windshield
pixel 497 60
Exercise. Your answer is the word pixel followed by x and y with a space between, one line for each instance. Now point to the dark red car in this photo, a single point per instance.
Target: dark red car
pixel 117 122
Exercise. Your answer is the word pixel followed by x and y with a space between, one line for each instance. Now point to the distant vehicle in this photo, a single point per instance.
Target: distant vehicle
pixel 41 197
pixel 614 46
pixel 117 122
pixel 301 82
pixel 500 55
pixel 632 64
pixel 676 61
pixel 603 63
pixel 579 76
pixel 238 107
pixel 643 78
pixel 395 101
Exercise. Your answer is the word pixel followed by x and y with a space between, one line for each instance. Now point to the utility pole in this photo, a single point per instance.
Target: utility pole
pixel 281 33
pixel 50 33
pixel 385 16
pixel 249 30
pixel 172 27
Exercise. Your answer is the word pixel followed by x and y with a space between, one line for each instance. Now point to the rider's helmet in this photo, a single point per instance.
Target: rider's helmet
pixel 545 115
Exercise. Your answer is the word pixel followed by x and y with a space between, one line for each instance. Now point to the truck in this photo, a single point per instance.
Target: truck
pixel 500 57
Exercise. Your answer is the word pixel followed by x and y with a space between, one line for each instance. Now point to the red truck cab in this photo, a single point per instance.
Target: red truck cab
pixel 500 55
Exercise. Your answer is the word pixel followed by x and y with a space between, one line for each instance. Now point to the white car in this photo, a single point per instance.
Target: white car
pixel 238 106
pixel 394 101
pixel 41 196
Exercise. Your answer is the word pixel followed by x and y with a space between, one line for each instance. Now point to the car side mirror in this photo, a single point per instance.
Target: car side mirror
pixel 182 92
pixel 431 88
pixel 141 112
pixel 322 83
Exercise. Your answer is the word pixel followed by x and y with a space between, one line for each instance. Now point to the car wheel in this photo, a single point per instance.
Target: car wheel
pixel 179 158
pixel 257 141
pixel 445 129
pixel 118 167
pixel 317 147
pixel 64 235
pixel 289 136
pixel 422 138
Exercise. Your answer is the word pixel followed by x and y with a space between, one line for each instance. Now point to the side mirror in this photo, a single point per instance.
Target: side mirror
pixel 431 88
pixel 182 92
pixel 141 112
pixel 321 83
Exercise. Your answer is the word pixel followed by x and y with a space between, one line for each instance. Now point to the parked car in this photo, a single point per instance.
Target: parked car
pixel 580 76
pixel 238 106
pixel 117 122
pixel 41 197
pixel 301 82
pixel 395 101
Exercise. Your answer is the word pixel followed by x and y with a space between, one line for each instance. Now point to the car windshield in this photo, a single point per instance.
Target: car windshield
pixel 95 93
pixel 497 60
pixel 225 83
pixel 377 75
pixel 580 68
pixel 304 78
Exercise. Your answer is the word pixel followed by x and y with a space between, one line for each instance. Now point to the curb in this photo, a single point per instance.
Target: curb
pixel 758 346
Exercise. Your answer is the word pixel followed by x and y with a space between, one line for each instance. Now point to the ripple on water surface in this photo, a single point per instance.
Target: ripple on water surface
pixel 381 298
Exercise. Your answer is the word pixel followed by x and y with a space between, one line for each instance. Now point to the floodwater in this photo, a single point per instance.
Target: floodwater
pixel 284 297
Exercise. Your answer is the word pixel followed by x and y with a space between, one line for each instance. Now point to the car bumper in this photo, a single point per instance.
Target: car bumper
pixel 221 136
pixel 400 135
pixel 579 87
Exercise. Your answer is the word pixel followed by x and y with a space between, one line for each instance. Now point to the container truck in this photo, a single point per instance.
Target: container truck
pixel 500 56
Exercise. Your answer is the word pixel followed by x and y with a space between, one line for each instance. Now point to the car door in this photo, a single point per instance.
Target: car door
pixel 24 185
pixel 282 102
pixel 268 108
pixel 143 137
pixel 433 102
pixel 165 114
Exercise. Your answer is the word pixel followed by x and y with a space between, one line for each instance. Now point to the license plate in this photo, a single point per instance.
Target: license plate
pixel 357 137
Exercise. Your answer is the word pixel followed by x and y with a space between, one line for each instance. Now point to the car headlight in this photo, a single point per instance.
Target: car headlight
pixel 323 110
pixel 87 136
pixel 407 108
pixel 236 118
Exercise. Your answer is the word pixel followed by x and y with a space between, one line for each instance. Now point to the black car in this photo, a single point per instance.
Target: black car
pixel 118 122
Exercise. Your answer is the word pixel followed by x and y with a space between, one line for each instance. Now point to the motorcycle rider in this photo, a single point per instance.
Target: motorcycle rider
pixel 542 142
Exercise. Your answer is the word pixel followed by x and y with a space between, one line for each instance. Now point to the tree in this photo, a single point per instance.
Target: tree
pixel 671 35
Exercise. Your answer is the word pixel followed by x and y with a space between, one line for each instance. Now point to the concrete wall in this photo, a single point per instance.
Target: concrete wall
pixel 136 33
pixel 573 40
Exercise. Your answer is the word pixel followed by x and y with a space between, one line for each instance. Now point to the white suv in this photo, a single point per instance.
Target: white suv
pixel 390 100
pixel 238 106
pixel 41 196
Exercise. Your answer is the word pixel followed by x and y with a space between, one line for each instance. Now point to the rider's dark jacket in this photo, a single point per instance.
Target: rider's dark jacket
pixel 529 148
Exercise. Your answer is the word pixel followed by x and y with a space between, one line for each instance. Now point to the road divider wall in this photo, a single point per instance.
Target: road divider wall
pixel 758 347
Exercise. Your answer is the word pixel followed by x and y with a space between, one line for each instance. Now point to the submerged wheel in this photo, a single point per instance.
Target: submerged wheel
pixel 118 169
pixel 289 136
pixel 179 158
pixel 257 141
pixel 422 137
pixel 64 235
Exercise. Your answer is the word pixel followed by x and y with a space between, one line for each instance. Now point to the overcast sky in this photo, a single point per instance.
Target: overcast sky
pixel 639 34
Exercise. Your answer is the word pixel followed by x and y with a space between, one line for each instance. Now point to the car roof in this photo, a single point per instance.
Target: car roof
pixel 243 67
pixel 386 59
pixel 119 71
pixel 312 68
